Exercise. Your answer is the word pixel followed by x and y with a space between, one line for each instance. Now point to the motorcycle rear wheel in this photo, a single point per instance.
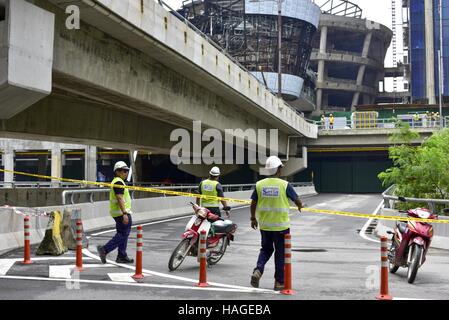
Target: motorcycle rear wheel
pixel 179 254
pixel 414 265
pixel 215 257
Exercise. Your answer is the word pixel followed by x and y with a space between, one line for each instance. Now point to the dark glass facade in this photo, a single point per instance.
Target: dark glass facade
pixel 418 48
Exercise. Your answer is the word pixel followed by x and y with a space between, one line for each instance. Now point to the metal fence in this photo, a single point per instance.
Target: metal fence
pixel 379 124
pixel 68 196
pixel 390 200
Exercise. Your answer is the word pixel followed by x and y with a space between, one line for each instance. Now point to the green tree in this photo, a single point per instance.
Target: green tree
pixel 422 171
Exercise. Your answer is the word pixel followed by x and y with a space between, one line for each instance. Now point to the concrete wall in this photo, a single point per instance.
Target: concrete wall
pixel 441 231
pixel 26 56
pixel 96 216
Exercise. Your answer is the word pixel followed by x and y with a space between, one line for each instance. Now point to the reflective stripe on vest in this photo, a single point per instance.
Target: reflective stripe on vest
pixel 209 188
pixel 272 205
pixel 114 208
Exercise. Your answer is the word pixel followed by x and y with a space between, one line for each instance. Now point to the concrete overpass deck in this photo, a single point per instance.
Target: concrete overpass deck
pixel 130 72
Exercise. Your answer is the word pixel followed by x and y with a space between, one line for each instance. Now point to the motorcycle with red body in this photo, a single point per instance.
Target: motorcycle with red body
pixel 411 242
pixel 219 232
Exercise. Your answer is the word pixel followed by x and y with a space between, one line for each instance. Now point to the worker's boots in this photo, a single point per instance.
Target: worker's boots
pixel 255 278
pixel 278 286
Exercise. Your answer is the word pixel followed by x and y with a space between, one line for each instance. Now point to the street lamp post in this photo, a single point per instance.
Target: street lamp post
pixel 279 3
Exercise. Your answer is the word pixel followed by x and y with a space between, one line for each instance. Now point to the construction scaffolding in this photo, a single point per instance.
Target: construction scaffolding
pixel 252 39
pixel 340 8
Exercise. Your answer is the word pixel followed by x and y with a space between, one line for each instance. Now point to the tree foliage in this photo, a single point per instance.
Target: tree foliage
pixel 419 171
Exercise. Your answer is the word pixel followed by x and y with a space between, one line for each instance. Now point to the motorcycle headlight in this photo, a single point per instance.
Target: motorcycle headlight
pixel 201 213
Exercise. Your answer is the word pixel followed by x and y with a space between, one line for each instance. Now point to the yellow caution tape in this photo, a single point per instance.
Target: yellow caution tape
pixel 187 194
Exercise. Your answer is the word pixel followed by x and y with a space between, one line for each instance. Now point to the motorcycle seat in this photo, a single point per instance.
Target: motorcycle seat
pixel 223 226
pixel 402 226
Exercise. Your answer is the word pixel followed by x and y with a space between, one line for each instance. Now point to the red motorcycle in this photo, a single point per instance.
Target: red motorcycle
pixel 410 243
pixel 219 234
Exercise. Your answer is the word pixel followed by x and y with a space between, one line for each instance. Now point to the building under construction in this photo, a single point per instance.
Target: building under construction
pixel 332 58
pixel 248 30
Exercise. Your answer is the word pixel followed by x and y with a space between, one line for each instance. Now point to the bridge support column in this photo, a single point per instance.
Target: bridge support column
pixel 8 163
pixel 90 163
pixel 291 166
pixel 56 165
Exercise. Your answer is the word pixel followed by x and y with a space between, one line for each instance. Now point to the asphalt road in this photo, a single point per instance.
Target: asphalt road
pixel 330 261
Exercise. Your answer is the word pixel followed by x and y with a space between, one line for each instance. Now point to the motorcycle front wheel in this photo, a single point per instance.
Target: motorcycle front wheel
pixel 179 254
pixel 414 265
pixel 391 257
pixel 215 256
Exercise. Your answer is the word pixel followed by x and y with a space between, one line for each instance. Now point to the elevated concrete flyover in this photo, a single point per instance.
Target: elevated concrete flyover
pixel 363 137
pixel 131 75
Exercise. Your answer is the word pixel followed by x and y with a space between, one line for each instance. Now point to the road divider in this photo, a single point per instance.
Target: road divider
pixel 27 246
pixel 240 201
pixel 203 260
pixel 384 294
pixel 52 243
pixel 79 245
pixel 139 248
pixel 288 287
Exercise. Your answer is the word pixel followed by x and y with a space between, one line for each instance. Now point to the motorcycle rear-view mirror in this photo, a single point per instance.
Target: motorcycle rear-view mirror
pixel 402 199
pixel 446 210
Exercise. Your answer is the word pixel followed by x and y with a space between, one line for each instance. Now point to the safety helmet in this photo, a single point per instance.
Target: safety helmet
pixel 272 164
pixel 120 165
pixel 215 171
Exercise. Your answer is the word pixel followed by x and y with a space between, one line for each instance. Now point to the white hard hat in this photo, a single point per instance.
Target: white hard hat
pixel 272 164
pixel 120 165
pixel 215 171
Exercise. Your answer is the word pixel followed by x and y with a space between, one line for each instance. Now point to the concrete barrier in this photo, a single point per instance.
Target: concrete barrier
pixel 95 216
pixel 441 231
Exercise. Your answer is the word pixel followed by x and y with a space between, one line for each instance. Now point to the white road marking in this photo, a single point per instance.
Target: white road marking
pixel 5 265
pixel 65 272
pixel 148 285
pixel 362 232
pixel 145 271
pixel 46 258
pixel 122 277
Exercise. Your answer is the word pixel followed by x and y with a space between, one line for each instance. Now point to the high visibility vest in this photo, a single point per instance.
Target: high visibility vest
pixel 331 120
pixel 209 188
pixel 114 208
pixel 272 205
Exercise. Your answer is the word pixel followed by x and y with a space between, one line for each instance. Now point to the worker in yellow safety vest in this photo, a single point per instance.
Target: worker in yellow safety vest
pixel 120 211
pixel 269 211
pixel 331 121
pixel 211 187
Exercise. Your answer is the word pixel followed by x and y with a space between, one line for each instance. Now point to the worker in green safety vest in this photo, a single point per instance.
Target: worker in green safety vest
pixel 211 187
pixel 120 211
pixel 269 211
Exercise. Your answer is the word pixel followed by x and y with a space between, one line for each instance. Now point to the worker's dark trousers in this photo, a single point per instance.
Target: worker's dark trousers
pixel 120 239
pixel 273 241
pixel 214 210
